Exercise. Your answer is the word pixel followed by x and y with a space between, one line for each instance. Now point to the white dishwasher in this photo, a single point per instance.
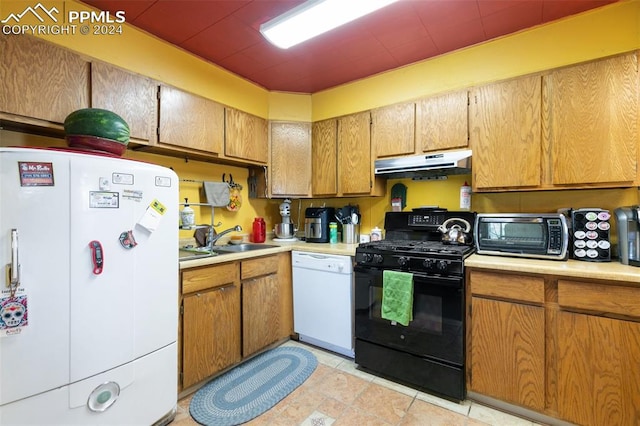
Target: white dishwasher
pixel 323 300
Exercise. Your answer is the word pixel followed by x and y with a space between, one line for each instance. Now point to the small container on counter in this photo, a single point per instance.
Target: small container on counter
pixel 376 234
pixel 350 233
pixel 333 232
pixel 259 230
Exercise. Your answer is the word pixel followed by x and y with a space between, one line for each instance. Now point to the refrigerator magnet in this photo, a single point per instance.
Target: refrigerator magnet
pixel 13 315
pixel 127 240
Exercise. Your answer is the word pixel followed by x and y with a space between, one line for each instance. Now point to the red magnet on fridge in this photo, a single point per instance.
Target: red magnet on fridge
pixel 127 240
pixel 97 256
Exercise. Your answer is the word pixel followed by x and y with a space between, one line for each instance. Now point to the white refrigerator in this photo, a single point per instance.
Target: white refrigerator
pixel 89 290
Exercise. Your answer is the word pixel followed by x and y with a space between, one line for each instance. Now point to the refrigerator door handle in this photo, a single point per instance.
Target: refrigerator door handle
pixel 14 266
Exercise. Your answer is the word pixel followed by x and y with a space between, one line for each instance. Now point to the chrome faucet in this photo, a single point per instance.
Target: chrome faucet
pixel 215 237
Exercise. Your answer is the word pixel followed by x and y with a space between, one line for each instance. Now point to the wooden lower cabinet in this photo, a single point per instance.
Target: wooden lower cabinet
pixel 211 327
pixel 507 356
pixel 508 352
pixel 562 347
pixel 598 370
pixel 260 313
pixel 267 301
pixel 231 311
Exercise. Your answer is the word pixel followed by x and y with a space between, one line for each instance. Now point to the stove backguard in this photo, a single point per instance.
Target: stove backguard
pixel 422 224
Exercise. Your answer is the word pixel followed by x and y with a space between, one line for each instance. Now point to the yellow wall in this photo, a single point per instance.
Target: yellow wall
pixel 599 33
pixel 602 32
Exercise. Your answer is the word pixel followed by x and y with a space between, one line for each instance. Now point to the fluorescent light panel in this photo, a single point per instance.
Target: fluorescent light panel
pixel 315 17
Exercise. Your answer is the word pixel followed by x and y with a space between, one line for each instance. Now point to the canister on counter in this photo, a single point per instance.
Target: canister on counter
pixel 376 234
pixel 333 232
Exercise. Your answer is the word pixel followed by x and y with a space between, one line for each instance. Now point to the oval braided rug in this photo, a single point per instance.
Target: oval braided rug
pixel 253 387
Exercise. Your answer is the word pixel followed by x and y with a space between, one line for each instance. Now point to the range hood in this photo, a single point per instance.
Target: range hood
pixel 429 164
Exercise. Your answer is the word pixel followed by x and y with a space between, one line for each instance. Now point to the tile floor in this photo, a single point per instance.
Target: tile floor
pixel 339 394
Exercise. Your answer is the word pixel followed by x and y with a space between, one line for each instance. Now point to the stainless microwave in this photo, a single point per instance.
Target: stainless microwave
pixel 534 235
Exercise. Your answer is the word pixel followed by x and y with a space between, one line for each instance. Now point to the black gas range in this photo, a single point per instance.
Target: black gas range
pixel 432 257
pixel 428 353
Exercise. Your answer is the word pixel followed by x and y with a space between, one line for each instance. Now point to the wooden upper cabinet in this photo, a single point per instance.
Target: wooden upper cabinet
pixel 505 134
pixel 290 159
pixel 190 121
pixel 354 154
pixel 393 130
pixel 131 96
pixel 324 155
pixel 39 80
pixel 593 121
pixel 246 136
pixel 442 122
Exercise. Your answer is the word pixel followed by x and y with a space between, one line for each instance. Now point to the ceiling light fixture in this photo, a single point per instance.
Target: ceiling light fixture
pixel 315 17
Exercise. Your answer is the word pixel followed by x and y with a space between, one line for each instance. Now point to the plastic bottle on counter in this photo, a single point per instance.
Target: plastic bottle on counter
pixel 376 234
pixel 333 232
pixel 259 230
pixel 465 197
pixel 187 215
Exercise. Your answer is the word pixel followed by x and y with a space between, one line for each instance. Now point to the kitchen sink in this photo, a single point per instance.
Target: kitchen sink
pixel 239 248
pixel 191 253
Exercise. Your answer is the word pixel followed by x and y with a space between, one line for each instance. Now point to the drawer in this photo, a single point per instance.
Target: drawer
pixel 614 299
pixel 208 277
pixel 522 288
pixel 259 266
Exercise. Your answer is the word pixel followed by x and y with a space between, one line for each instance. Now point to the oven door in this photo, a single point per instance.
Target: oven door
pixel 437 329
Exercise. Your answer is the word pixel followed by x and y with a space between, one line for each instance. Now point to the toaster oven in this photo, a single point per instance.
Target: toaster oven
pixel 534 235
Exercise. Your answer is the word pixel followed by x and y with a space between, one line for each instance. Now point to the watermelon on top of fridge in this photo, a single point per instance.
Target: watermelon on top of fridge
pixel 97 122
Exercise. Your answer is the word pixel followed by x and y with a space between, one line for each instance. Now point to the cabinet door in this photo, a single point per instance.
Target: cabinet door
pixel 210 332
pixel 290 159
pixel 324 157
pixel 246 136
pixel 131 96
pixel 260 313
pixel 598 370
pixel 505 124
pixel 354 154
pixel 507 352
pixel 593 121
pixel 190 121
pixel 442 122
pixel 393 130
pixel 40 80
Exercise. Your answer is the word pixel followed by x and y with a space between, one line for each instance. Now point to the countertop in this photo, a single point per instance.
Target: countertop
pixel 612 271
pixel 282 246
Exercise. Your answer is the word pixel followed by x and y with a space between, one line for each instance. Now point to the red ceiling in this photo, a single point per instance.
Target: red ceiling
pixel 226 33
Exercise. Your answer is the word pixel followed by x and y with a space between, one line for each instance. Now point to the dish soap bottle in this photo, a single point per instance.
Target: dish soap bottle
pixel 187 216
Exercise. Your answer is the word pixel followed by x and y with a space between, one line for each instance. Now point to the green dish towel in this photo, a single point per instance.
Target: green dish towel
pixel 397 296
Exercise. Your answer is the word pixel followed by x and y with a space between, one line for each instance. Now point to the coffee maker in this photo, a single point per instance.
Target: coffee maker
pixel 316 224
pixel 628 219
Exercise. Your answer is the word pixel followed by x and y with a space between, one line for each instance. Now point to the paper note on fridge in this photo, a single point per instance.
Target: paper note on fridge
pixel 152 216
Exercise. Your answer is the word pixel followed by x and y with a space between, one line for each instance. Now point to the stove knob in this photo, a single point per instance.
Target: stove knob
pixel 429 263
pixel 403 261
pixel 378 258
pixel 367 257
pixel 442 265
